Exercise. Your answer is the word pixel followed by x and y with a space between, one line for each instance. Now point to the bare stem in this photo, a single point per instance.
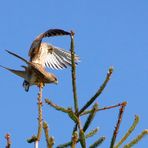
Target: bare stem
pixel 37 138
pixel 73 71
pixel 40 120
pixel 7 136
pixel 36 144
pixel 104 108
pixel 117 125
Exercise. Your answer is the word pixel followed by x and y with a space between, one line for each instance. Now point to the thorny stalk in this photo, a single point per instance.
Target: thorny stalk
pixel 117 125
pixel 37 138
pixel 130 130
pixel 40 120
pixel 104 108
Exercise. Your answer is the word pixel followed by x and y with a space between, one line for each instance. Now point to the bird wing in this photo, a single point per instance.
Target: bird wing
pixel 34 49
pixel 53 57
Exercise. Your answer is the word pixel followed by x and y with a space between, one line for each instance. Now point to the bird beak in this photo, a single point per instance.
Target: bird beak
pixel 56 82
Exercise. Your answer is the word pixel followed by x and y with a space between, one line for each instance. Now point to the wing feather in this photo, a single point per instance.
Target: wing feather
pixel 54 57
pixel 60 61
pixel 35 46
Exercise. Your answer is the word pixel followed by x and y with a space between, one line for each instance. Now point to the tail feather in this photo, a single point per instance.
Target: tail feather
pixel 14 54
pixel 16 72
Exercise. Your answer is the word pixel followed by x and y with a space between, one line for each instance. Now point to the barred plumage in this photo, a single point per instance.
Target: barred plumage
pixel 43 55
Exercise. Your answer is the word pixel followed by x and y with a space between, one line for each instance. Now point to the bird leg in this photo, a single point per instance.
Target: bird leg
pixel 40 84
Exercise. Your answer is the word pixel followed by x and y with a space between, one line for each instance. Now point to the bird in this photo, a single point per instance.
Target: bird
pixel 43 55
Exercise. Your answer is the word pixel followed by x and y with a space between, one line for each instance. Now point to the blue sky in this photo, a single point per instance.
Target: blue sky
pixel 107 33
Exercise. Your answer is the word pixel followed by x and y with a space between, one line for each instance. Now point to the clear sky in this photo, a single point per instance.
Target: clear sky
pixel 107 33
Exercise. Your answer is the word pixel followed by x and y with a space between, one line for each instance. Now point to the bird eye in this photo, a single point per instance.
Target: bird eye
pixel 50 50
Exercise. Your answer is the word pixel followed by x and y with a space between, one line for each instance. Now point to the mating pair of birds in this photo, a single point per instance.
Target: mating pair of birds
pixel 43 55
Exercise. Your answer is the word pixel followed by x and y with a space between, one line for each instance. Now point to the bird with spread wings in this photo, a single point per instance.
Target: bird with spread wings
pixel 43 55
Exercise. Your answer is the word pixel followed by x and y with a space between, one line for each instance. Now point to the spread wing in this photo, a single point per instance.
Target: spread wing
pixel 53 57
pixel 34 49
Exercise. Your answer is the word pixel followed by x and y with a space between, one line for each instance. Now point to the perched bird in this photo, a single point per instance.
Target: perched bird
pixel 43 55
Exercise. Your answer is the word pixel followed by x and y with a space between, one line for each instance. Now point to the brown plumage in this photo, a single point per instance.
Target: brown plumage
pixel 43 55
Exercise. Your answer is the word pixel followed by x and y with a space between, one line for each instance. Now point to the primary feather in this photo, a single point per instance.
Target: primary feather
pixel 53 57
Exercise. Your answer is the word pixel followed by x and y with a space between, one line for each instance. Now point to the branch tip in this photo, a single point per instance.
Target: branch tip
pixel 72 33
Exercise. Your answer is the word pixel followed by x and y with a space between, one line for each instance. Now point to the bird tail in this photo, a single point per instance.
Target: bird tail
pixel 14 54
pixel 16 72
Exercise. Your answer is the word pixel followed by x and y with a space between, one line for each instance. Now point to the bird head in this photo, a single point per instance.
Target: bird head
pixel 56 81
pixel 52 78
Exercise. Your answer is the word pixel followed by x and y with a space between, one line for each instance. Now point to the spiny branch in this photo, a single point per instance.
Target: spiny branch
pixel 117 125
pixel 40 120
pixel 104 108
pixel 37 138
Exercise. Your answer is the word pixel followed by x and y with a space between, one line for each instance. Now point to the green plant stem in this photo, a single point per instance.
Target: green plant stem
pixel 137 139
pixel 90 117
pixel 82 138
pixel 117 125
pixel 74 140
pixel 97 143
pixel 49 140
pixel 75 128
pixel 73 71
pixel 73 116
pixel 110 71
pixel 59 108
pixel 90 134
pixel 130 130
